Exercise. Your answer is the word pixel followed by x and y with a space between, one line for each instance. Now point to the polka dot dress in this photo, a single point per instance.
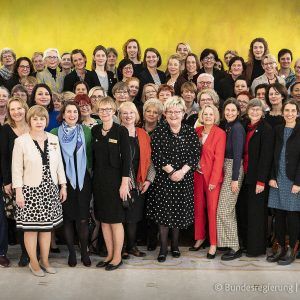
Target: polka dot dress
pixel 43 209
pixel 172 203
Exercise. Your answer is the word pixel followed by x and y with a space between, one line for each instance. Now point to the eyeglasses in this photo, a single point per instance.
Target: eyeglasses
pixel 52 57
pixel 121 92
pixel 128 68
pixel 66 59
pixel 205 82
pixel 126 114
pixel 270 63
pixel 105 110
pixel 206 100
pixel 97 97
pixel 150 92
pixel 207 58
pixel 175 112
pixel 24 67
pixel 83 105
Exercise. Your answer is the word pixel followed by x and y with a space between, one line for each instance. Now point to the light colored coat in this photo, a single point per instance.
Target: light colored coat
pixel 27 166
pixel 264 79
pixel 46 77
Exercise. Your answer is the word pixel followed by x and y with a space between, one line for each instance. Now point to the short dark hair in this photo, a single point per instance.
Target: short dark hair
pixel 50 107
pixel 242 77
pixel 77 51
pixel 293 85
pixel 291 101
pixel 154 51
pixel 280 89
pixel 208 51
pixel 81 82
pixel 18 62
pixel 260 86
pixel 60 118
pixel 234 59
pixel 283 52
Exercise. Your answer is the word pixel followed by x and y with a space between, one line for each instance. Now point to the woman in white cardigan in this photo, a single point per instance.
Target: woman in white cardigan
pixel 37 169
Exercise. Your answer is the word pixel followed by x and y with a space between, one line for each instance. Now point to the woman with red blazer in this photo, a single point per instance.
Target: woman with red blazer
pixel 208 177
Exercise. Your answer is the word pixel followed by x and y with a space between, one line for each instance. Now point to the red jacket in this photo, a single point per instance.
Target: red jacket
pixel 212 155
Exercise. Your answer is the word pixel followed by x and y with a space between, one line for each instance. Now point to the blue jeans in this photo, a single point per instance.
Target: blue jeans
pixel 3 228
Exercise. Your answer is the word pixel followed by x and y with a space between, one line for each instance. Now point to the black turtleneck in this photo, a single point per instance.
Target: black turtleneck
pixel 53 72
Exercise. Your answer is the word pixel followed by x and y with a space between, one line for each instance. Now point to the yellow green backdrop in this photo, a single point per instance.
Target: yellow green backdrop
pixel 28 26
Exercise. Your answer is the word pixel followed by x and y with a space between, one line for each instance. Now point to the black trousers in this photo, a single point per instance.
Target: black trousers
pixel 287 222
pixel 3 228
pixel 252 219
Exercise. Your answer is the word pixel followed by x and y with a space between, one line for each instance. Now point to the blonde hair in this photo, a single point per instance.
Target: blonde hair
pixel 106 101
pixel 213 95
pixel 97 88
pixel 68 96
pixel 39 111
pixel 129 105
pixel 154 103
pixel 155 87
pixel 175 101
pixel 24 105
pixel 200 115
pixel 174 56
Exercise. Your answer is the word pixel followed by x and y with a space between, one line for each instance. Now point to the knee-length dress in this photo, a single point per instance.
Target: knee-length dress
pixel 107 177
pixel 43 209
pixel 172 203
pixel 282 197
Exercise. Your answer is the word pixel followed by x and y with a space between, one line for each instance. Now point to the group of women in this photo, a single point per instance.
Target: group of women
pixel 192 145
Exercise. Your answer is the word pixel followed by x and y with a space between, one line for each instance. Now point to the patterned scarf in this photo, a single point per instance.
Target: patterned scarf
pixel 72 139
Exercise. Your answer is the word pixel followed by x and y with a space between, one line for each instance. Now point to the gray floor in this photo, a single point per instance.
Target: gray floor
pixel 190 277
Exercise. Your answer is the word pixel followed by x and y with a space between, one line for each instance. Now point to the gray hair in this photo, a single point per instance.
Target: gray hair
pixel 155 103
pixel 5 51
pixel 205 75
pixel 174 101
pixel 46 53
pixel 255 102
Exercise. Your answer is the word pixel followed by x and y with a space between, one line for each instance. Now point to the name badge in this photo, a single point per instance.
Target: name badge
pixel 113 141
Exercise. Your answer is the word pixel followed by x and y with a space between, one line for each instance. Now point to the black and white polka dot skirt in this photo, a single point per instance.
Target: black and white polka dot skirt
pixel 43 209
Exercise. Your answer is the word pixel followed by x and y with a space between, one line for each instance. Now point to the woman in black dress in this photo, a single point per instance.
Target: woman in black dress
pixel 111 165
pixel 175 154
pixel 75 142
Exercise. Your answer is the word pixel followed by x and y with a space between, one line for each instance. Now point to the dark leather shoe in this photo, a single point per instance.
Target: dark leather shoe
pixel 125 255
pixel 24 260
pixel 72 261
pixel 288 258
pixel 102 264
pixel 162 257
pixel 210 256
pixel 4 261
pixel 136 252
pixel 111 267
pixel 193 248
pixel 231 254
pixel 86 261
pixel 275 257
pixel 151 247
pixel 176 253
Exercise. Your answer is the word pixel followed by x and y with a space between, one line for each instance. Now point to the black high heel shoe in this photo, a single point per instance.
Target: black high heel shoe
pixel 202 245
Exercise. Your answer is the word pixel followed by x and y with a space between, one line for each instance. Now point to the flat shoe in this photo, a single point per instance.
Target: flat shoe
pixel 72 261
pixel 136 252
pixel 39 273
pixel 111 267
pixel 86 261
pixel 231 255
pixel 210 256
pixel 162 258
pixel 49 270
pixel 102 264
pixel 175 253
pixel 24 260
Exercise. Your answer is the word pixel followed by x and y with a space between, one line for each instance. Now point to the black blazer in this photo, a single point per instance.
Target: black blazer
pixel 292 153
pixel 118 146
pixel 145 77
pixel 225 89
pixel 260 152
pixel 72 78
pixel 111 81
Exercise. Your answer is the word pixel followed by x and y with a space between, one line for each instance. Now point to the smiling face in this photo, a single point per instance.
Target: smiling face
pixel 38 123
pixel 38 63
pixel 105 112
pixel 151 115
pixel 208 116
pixel 236 68
pixel 163 96
pixel 42 97
pixel 66 62
pixel 3 97
pixel 121 96
pixel 269 66
pixel 297 68
pixel 205 82
pixel 78 61
pixel 290 113
pixel 132 50
pixel 255 113
pixel 151 59
pixel 275 97
pixel 240 86
pixel 174 66
pixel 100 58
pixel 127 71
pixel 208 61
pixel 150 92
pixel 133 86
pixel 205 99
pixel 24 68
pixel 191 65
pixel 285 61
pixel 81 89
pixel 97 95
pixel 71 115
pixel 296 92
pixel 227 58
pixel 243 101
pixel 85 109
pixel 52 60
pixel 188 96
pixel 231 112
pixel 127 116
pixel 174 116
pixel 17 111
pixel 8 59
pixel 183 51
pixel 258 50
pixel 111 59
